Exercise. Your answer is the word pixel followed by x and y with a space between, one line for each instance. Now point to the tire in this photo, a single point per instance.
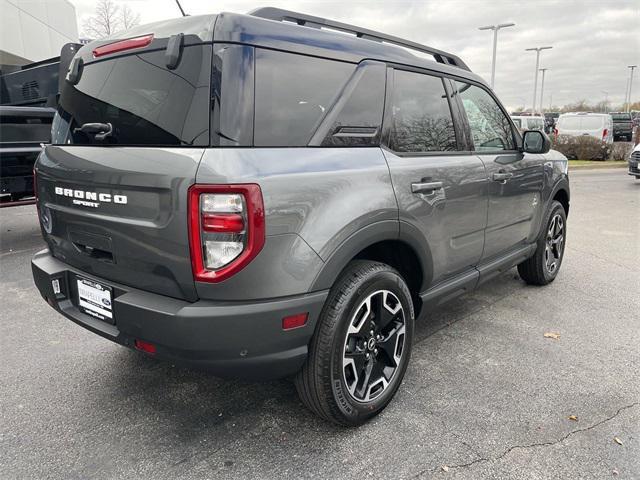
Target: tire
pixel 333 381
pixel 543 267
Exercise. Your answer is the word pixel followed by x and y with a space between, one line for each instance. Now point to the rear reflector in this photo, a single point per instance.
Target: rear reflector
pixel 295 321
pixel 122 45
pixel 145 346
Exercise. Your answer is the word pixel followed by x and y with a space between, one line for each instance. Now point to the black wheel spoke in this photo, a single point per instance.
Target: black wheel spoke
pixel 388 344
pixel 382 316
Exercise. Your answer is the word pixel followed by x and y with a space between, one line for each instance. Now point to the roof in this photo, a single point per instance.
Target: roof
pixel 310 39
pixel 273 28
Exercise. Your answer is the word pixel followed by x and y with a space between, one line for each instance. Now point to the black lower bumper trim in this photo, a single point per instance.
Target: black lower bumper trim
pixel 230 339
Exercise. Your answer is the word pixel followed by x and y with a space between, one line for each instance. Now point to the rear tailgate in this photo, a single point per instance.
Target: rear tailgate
pixel 121 213
pixel 115 205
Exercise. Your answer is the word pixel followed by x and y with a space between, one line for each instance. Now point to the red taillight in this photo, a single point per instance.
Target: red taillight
pixel 226 229
pixel 146 347
pixel 605 132
pixel 119 46
pixel 555 132
pixel 295 321
pixel 222 222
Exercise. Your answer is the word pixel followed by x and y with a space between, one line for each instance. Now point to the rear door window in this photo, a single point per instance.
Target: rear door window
pixel 421 115
pixel 292 95
pixel 490 127
pixel 146 103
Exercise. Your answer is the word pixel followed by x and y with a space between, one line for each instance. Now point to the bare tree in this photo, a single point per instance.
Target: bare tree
pixel 128 18
pixel 109 18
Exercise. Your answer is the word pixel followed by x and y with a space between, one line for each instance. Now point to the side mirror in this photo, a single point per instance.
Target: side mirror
pixel 535 141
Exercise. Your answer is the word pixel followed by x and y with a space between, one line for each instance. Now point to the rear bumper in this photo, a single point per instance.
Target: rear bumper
pixel 230 339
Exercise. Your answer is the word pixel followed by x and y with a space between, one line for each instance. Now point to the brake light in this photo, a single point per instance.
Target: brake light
pixel 604 134
pixel 555 133
pixel 226 229
pixel 122 45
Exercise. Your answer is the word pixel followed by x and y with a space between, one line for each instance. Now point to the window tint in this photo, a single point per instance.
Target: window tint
pixel 490 127
pixel 359 118
pixel 621 116
pixel 232 87
pixel 22 129
pixel 293 93
pixel 146 103
pixel 422 119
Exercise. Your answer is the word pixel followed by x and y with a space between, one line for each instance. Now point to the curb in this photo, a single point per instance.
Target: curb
pixel 599 166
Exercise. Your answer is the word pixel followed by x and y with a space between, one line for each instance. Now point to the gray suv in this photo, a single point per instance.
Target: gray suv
pixel 275 194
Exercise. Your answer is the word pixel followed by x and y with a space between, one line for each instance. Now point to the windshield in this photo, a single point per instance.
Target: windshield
pixel 146 103
pixel 621 116
pixel 535 123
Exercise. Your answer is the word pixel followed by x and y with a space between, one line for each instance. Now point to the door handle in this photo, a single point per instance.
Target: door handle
pixel 501 176
pixel 425 187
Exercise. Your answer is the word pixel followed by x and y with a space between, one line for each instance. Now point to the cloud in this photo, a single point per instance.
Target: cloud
pixel 593 41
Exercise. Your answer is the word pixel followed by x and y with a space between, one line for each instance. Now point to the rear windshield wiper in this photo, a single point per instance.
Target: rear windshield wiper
pixel 100 130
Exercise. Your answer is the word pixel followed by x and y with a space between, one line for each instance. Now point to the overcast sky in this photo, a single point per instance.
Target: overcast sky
pixel 593 40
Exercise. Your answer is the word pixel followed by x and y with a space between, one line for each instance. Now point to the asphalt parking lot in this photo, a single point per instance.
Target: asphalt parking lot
pixel 486 394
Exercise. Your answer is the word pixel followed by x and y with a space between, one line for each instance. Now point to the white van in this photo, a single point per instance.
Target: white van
pixel 525 122
pixel 598 125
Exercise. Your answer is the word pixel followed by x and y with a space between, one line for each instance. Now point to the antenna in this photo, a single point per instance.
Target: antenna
pixel 181 10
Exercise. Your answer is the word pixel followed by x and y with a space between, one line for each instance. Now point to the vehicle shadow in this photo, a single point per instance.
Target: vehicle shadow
pixel 190 403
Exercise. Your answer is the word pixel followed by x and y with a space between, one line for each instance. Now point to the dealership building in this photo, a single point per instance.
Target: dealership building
pixel 34 30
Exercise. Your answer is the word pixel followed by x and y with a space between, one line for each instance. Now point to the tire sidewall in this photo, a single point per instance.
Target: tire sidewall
pixel 352 410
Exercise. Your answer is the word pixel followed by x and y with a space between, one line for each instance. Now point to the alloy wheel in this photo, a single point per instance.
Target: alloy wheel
pixel 374 345
pixel 554 244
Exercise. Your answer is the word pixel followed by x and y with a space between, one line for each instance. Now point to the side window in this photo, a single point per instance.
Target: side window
pixel 421 116
pixel 358 116
pixel 490 127
pixel 292 94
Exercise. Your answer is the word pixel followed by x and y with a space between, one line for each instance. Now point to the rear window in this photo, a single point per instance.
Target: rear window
pixel 146 103
pixel 25 129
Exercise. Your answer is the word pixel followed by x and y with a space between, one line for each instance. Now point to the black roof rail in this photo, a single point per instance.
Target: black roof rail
pixel 280 15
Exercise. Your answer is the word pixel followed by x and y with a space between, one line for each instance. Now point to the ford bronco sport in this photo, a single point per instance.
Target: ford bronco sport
pixel 276 194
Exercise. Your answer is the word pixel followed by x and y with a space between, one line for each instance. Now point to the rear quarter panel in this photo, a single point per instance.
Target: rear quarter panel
pixel 315 199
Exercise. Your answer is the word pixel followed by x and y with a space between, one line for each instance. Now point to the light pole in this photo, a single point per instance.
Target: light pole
pixel 535 82
pixel 495 29
pixel 632 67
pixel 606 101
pixel 543 70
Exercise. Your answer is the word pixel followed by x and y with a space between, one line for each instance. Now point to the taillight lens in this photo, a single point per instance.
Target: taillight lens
pixel 555 132
pixel 605 132
pixel 226 229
